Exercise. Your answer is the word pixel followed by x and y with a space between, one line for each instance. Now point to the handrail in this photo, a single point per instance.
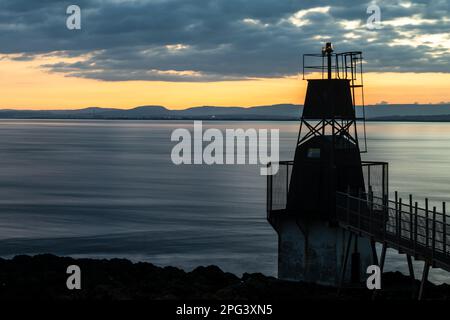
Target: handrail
pixel 421 232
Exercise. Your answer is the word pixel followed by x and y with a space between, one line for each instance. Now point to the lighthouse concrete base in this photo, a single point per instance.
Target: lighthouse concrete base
pixel 314 252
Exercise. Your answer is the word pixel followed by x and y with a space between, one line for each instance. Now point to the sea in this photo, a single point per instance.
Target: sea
pixel 109 189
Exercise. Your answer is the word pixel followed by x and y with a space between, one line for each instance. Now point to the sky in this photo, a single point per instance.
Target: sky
pixel 184 53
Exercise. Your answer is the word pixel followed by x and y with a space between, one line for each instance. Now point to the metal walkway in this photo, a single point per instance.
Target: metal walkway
pixel 421 233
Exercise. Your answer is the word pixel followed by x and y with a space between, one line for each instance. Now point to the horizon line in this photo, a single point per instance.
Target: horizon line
pixel 217 106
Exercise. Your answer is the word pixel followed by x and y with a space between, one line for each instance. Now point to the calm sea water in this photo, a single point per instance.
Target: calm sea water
pixel 109 189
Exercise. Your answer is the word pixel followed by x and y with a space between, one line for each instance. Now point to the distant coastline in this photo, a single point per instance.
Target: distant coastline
pixel 394 119
pixel 279 112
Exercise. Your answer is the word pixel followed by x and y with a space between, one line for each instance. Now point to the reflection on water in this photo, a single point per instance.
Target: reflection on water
pixel 109 189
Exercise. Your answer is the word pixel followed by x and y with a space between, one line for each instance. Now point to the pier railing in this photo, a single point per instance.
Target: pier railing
pixel 421 232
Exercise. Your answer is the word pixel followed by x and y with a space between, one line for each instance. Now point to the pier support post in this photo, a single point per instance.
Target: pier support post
pixel 383 256
pixel 426 270
pixel 410 267
pixel 344 262
pixel 411 275
pixel 374 252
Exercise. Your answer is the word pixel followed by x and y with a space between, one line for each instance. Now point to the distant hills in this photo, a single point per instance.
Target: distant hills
pixel 408 112
pixel 403 112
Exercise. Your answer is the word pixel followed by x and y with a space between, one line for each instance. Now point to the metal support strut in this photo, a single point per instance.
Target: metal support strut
pixel 426 270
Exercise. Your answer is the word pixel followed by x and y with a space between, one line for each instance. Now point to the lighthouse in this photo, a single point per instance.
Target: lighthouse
pixel 301 203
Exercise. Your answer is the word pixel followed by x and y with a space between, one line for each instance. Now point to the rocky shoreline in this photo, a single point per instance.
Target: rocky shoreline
pixel 43 277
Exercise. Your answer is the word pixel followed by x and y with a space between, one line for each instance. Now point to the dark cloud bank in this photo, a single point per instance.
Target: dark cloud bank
pixel 191 40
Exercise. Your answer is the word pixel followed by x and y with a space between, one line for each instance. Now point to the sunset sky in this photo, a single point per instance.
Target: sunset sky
pixel 183 53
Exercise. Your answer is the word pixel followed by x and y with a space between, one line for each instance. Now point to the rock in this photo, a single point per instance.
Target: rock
pixel 43 277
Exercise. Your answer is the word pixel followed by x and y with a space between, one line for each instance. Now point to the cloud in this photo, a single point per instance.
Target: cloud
pixel 215 40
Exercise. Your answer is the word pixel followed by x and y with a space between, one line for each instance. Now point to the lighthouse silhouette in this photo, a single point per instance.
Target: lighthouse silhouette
pixel 302 197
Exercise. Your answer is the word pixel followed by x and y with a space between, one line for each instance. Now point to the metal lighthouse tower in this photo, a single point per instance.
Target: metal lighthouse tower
pixel 301 203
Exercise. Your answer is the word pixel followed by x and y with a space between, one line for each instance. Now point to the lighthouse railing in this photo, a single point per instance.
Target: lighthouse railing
pixel 375 178
pixel 278 186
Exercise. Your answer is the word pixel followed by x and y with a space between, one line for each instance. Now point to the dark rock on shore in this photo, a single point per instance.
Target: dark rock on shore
pixel 44 277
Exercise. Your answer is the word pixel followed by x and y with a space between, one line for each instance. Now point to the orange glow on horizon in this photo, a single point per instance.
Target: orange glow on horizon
pixel 25 85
